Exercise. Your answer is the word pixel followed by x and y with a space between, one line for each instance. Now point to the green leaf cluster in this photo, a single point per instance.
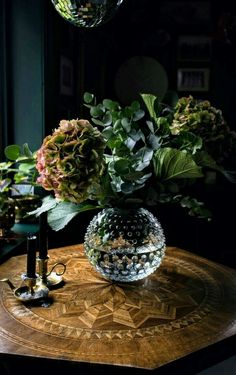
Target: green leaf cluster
pixel 154 153
pixel 130 143
pixel 19 167
pixel 145 161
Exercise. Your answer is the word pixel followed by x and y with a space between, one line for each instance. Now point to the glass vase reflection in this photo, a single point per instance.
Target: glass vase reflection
pixel 85 13
pixel 125 245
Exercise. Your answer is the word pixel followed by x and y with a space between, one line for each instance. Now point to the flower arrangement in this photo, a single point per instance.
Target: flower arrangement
pixel 144 154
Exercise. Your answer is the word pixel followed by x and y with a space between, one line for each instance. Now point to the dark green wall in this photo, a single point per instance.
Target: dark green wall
pixel 3 78
pixel 26 44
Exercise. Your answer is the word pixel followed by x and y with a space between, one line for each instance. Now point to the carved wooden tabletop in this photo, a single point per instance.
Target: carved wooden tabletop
pixel 189 303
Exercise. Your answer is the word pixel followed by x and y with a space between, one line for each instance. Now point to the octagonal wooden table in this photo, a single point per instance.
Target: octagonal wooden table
pixel 186 306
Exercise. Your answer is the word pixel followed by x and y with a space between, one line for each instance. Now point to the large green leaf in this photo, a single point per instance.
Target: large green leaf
pixel 64 212
pixel 48 203
pixel 171 164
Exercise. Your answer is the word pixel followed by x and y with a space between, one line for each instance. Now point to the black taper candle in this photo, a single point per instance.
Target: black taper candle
pixel 43 236
pixel 31 255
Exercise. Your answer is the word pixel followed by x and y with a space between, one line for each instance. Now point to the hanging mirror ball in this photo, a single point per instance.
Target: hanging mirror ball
pixel 85 13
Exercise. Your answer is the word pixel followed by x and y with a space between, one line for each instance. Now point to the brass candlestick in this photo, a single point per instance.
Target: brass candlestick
pixel 50 279
pixel 32 291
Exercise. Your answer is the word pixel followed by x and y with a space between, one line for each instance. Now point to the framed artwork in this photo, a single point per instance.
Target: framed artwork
pixel 66 76
pixel 193 48
pixel 194 13
pixel 193 79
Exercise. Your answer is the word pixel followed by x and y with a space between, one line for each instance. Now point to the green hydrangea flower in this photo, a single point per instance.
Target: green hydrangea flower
pixel 204 120
pixel 197 116
pixel 70 161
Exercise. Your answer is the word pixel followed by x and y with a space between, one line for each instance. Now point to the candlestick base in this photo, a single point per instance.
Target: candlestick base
pixel 25 293
pixel 51 279
pixel 33 291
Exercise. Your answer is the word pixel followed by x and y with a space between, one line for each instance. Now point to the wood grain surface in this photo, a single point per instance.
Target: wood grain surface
pixel 189 303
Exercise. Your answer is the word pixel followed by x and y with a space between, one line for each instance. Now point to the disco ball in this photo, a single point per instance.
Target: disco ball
pixel 85 13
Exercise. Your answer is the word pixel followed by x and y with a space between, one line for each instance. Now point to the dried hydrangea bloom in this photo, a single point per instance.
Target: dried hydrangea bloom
pixel 199 117
pixel 71 160
pixel 202 119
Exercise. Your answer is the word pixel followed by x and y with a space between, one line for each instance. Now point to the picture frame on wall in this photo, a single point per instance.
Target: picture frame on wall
pixel 194 48
pixel 181 13
pixel 193 79
pixel 66 76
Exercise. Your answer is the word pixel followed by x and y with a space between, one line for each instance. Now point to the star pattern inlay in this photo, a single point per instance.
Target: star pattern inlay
pixel 92 302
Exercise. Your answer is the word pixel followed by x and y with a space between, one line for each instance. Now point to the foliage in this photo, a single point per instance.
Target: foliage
pixel 143 157
pixel 19 167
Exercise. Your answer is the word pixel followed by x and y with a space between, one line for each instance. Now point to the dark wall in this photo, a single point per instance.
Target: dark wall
pixel 26 72
pixel 153 28
pixel 38 39
pixel 144 28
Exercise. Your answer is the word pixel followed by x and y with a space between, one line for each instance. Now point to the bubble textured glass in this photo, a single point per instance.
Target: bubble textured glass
pixel 125 245
pixel 84 13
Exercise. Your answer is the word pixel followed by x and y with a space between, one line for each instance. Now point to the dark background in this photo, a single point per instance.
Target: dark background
pixel 34 41
pixel 152 28
pixel 149 28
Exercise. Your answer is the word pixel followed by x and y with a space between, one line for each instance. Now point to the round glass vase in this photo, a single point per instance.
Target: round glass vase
pixel 125 245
